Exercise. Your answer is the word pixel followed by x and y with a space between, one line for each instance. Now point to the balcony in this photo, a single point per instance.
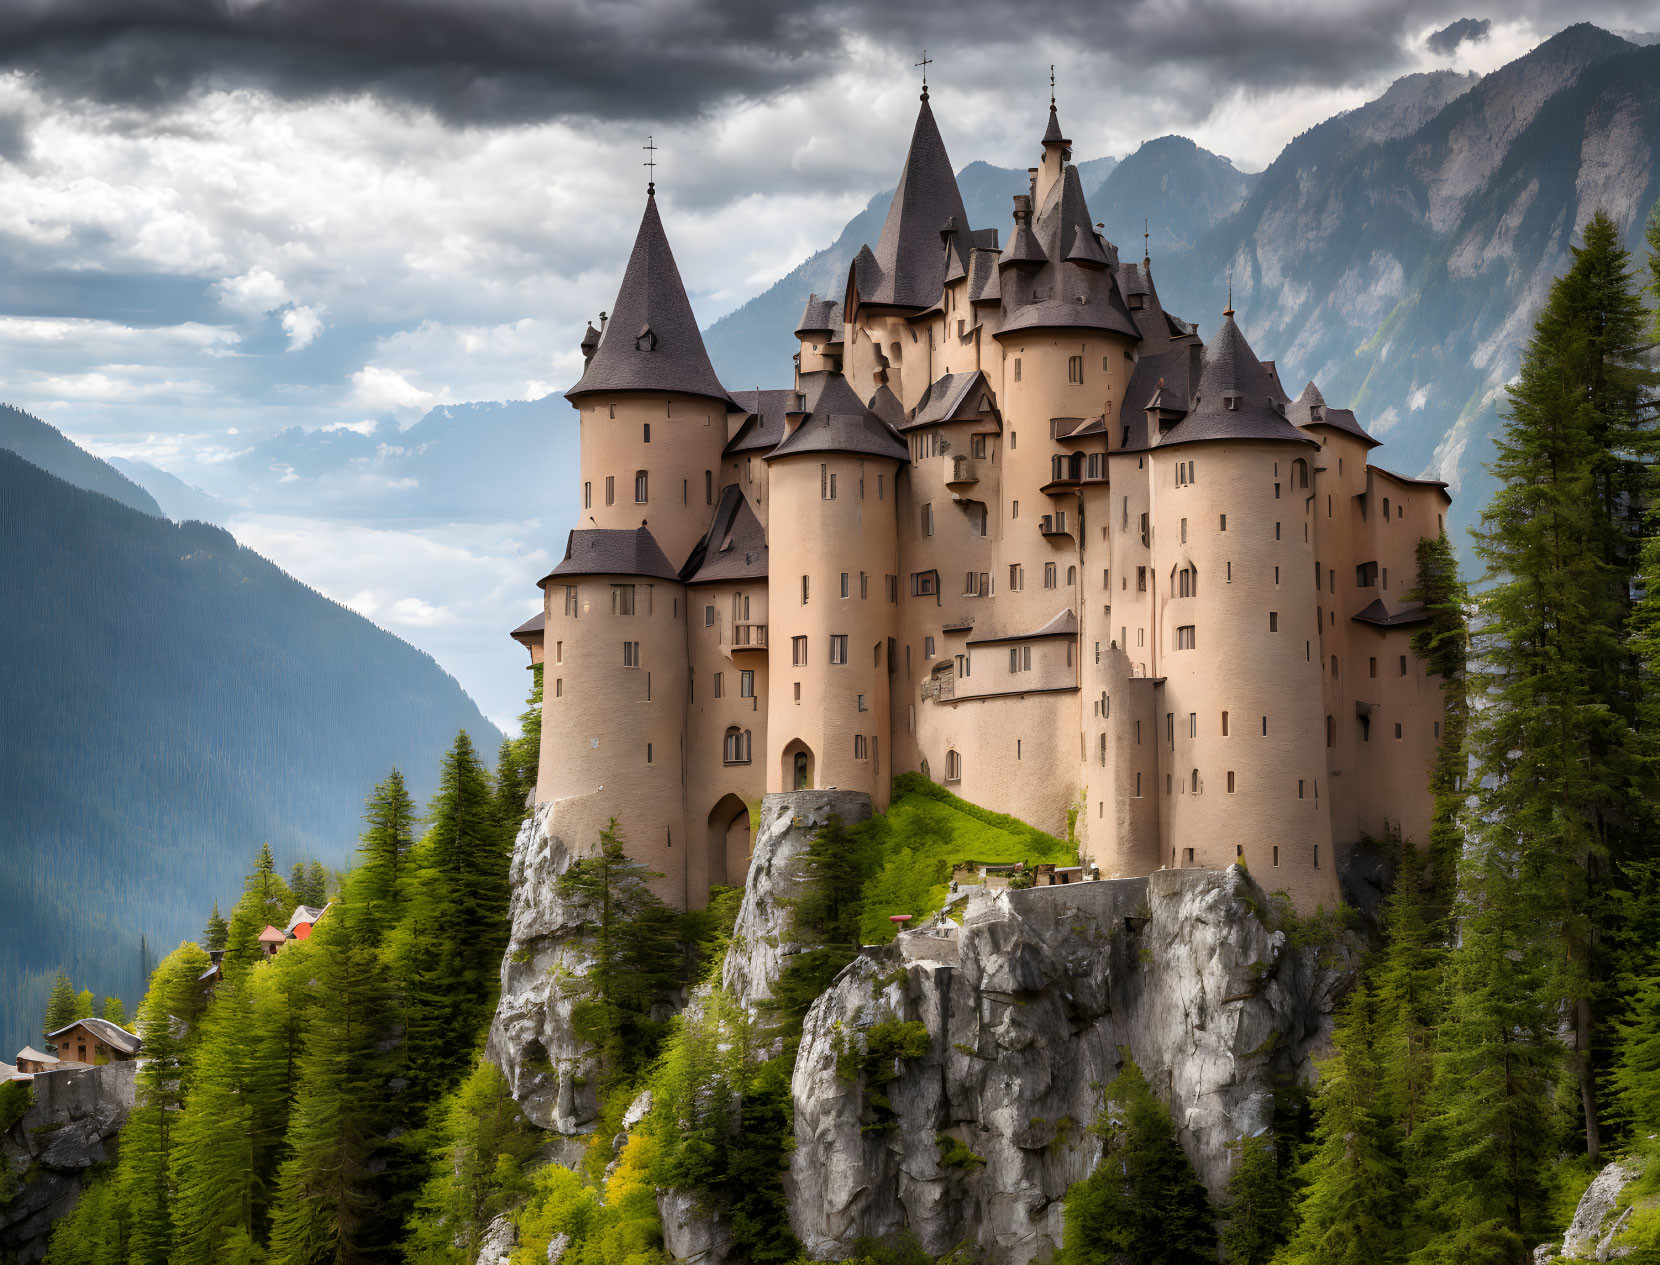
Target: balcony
pixel 962 472
pixel 745 638
pixel 1054 526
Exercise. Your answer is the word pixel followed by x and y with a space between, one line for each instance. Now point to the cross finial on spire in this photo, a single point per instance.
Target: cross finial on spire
pixel 1051 85
pixel 925 63
pixel 650 164
pixel 1228 311
pixel 1146 241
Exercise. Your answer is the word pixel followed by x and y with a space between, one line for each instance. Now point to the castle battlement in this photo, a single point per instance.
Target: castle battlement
pixel 1013 525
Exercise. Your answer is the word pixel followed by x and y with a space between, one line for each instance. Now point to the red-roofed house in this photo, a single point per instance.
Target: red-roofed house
pixel 270 940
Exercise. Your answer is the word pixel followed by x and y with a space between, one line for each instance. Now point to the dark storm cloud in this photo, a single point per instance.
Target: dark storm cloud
pixel 506 60
pixel 1448 38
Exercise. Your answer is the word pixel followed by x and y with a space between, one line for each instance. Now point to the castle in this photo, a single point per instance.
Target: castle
pixel 1175 611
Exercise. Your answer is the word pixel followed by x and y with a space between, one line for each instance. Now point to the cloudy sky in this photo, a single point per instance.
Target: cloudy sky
pixel 221 218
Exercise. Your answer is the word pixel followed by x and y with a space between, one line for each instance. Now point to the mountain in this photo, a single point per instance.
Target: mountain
pixel 1396 253
pixel 178 500
pixel 184 701
pixel 47 447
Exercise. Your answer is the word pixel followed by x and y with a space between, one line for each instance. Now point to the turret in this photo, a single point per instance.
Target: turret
pixel 1057 152
pixel 652 413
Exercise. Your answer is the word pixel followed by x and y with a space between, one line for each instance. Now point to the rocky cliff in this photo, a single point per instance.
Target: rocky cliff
pixel 1028 1008
pixel 70 1125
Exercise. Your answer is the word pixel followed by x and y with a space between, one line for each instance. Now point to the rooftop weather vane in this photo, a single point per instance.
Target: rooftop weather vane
pixel 650 164
pixel 925 63
pixel 1229 311
pixel 1051 85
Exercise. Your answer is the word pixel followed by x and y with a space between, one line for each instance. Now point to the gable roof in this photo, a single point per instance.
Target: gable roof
pixel 837 421
pixel 531 630
pixel 303 913
pixel 1377 613
pixel 651 342
pixel 28 1054
pixel 910 262
pixel 612 551
pixel 1301 412
pixel 949 396
pixel 271 935
pixel 105 1031
pixel 1232 372
pixel 734 547
pixel 765 425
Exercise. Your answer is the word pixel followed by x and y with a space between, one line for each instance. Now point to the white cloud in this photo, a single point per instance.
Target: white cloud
pixel 367 426
pixel 255 292
pixel 302 325
pixel 379 389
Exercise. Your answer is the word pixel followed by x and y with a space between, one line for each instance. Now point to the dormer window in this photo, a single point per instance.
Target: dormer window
pixel 1137 302
pixel 1317 414
pixel 645 340
pixel 1231 402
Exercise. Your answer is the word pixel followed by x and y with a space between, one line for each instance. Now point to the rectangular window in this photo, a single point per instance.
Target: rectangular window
pixel 864 586
pixel 1184 531
pixel 1276 855
pixel 1372 666
pixel 708 616
pixel 1141 579
pixel 1017 368
pixel 858 746
pixel 804 590
pixel 570 600
pixel 1397 731
pixel 1048 575
pixel 631 654
pixel 1273 621
pixel 648 432
pixel 798 651
pixel 720 685
pixel 587 496
pixel 862 706
pixel 1230 781
pixel 559 687
pixel 892 587
pixel 1014 509
pixel 838 648
pixel 1403 665
pixel 1276 531
pixel 622 599
pixel 648 753
pixel 928 519
pixel 845 589
pixel 559 652
pixel 927 647
pixel 1193 724
pixel 1074 369
pixel 1224 522
pixel 1146 536
pixel 924 583
pixel 978 448
pixel 1184 637
pixel 1224 724
pixel 746 683
pixel 610 489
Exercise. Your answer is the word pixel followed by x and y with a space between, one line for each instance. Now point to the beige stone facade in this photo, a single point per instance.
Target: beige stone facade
pixel 1011 525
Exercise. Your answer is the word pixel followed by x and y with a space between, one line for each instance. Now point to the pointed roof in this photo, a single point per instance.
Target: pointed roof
pixel 837 421
pixel 1309 410
pixel 820 316
pixel 531 630
pixel 1078 288
pixel 910 262
pixel 1235 399
pixel 764 426
pixel 734 547
pixel 1052 135
pixel 885 404
pixel 271 935
pixel 612 551
pixel 651 342
pixel 949 397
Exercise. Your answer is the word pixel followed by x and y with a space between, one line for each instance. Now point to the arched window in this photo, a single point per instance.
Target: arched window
pixel 736 750
pixel 953 766
pixel 1071 576
pixel 639 487
pixel 1299 474
pixel 1386 509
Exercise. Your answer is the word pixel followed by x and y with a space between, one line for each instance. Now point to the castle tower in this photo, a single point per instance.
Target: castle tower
pixel 833 605
pixel 652 413
pixel 1233 610
pixel 614 700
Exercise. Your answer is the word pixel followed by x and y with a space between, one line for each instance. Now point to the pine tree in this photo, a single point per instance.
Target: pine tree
pixel 634 949
pixel 216 932
pixel 1259 1212
pixel 328 1191
pixel 824 921
pixel 86 1005
pixel 1143 1202
pixel 1408 994
pixel 1557 759
pixel 1353 1198
pixel 167 1022
pixel 385 845
pixel 60 1006
pixel 1651 235
pixel 1442 644
pixel 114 1011
pixel 471 858
pixel 517 762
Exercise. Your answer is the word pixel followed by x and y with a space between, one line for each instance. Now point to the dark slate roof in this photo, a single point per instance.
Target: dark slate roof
pixel 109 1033
pixel 734 547
pixel 838 422
pixel 1300 412
pixel 532 629
pixel 1023 247
pixel 651 304
pixel 1407 478
pixel 612 551
pixel 1052 135
pixel 1378 614
pixel 909 264
pixel 764 427
pixel 949 396
pixel 885 404
pixel 1065 293
pixel 1232 370
pixel 1063 625
pixel 982 276
pixel 1273 372
pixel 820 315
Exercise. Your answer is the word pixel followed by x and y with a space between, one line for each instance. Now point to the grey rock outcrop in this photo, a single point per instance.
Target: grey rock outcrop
pixel 71 1125
pixel 691 1234
pixel 532 1039
pixel 760 939
pixel 1027 1009
pixel 1598 1220
pixel 501 1236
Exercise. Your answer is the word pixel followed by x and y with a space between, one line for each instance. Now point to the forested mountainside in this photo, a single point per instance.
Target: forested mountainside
pixel 170 701
pixel 1396 253
pixel 47 447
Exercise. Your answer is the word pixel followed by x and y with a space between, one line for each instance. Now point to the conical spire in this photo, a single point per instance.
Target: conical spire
pixel 910 255
pixel 651 342
pixel 1236 398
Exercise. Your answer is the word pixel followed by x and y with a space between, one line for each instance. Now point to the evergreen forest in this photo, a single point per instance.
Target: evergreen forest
pixel 1499 1045
pixel 184 700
